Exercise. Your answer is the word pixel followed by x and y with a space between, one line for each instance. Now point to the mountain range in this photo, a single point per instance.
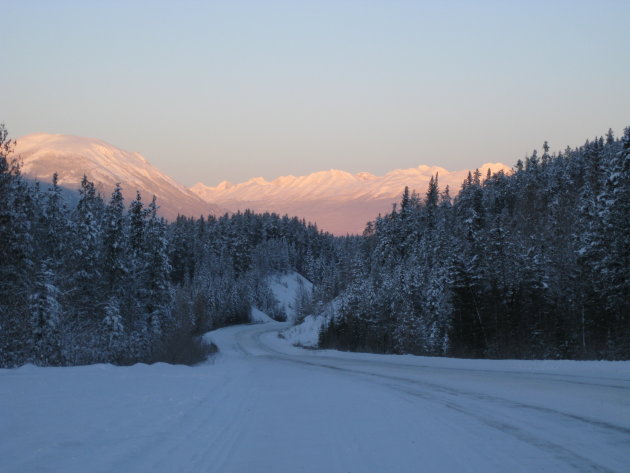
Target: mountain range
pixel 338 201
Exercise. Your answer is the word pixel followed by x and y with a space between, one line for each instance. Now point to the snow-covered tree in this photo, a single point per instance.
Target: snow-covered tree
pixel 115 255
pixel 45 313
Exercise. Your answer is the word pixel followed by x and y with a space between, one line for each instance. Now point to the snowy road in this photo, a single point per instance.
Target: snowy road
pixel 265 406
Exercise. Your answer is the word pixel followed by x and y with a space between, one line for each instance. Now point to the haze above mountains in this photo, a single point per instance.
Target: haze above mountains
pixel 338 201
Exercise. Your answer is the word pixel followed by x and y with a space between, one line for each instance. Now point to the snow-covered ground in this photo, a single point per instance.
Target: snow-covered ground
pixel 286 288
pixel 306 334
pixel 257 316
pixel 263 405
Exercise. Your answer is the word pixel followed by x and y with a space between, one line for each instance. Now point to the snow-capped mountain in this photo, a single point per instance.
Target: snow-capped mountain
pixel 71 157
pixel 338 201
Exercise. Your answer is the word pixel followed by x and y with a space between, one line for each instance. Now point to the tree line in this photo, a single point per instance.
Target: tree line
pixel 102 281
pixel 530 264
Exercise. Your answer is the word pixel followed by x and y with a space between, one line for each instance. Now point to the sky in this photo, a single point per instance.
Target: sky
pixel 213 91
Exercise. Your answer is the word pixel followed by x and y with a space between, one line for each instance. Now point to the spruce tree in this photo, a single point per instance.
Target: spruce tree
pixel 45 313
pixel 114 266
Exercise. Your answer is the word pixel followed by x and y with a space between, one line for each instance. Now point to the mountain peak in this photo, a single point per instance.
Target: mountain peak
pixel 338 201
pixel 366 176
pixel 71 157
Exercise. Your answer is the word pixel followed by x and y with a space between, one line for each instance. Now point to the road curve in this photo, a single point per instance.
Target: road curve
pixel 468 415
pixel 262 405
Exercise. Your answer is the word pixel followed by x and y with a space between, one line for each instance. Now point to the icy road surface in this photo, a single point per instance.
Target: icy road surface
pixel 264 406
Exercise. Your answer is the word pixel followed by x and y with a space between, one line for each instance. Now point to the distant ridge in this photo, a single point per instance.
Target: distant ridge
pixel 338 201
pixel 71 157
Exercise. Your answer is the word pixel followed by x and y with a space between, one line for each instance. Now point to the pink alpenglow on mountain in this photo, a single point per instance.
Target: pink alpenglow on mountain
pixel 71 157
pixel 338 201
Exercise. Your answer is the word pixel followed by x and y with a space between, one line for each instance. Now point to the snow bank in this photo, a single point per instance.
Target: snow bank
pixel 306 334
pixel 286 288
pixel 257 316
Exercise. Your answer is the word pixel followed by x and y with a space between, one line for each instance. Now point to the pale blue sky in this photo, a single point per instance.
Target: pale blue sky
pixel 212 91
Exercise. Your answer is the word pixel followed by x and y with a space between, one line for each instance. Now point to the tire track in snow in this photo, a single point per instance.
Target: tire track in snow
pixel 483 409
pixel 482 397
pixel 325 362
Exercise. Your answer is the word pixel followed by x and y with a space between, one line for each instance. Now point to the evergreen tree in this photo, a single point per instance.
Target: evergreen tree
pixel 55 224
pixel 45 314
pixel 115 252
pixel 137 217
pixel 113 330
pixel 616 259
pixel 83 285
pixel 159 295
pixel 17 266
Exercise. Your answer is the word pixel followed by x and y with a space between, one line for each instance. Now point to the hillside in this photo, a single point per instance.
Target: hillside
pixel 73 156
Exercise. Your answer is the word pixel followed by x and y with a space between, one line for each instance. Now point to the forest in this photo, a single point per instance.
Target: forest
pixel 530 264
pixel 534 264
pixel 102 281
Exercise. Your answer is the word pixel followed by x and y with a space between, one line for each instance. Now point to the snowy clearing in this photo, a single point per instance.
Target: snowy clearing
pixel 257 316
pixel 286 287
pixel 262 405
pixel 306 334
